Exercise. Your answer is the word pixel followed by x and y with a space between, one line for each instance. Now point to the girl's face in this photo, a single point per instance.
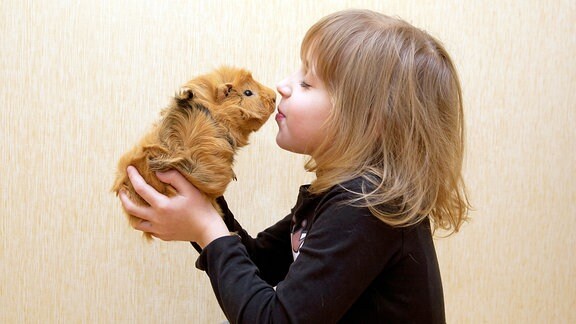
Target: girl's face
pixel 303 109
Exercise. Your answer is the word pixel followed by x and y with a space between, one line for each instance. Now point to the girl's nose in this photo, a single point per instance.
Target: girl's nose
pixel 283 88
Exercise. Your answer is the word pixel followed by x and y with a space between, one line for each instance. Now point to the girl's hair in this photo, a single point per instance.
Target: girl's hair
pixel 397 120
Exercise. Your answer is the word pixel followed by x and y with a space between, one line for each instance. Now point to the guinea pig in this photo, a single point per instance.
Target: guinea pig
pixel 198 134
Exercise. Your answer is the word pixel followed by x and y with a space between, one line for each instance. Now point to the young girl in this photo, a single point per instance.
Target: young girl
pixel 377 106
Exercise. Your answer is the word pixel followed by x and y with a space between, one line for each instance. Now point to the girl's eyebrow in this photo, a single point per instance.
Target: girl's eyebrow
pixel 305 65
pixel 305 70
pixel 311 76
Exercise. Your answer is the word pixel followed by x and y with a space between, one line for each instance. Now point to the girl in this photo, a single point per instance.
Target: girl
pixel 377 106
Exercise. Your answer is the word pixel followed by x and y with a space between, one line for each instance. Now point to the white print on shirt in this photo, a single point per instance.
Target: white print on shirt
pixel 297 236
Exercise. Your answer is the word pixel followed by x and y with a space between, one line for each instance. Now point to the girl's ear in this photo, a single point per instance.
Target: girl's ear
pixel 223 91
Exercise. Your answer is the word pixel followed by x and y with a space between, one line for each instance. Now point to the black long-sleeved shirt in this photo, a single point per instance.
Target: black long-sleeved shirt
pixel 350 267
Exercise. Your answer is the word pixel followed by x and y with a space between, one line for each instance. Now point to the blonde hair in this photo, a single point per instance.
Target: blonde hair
pixel 397 121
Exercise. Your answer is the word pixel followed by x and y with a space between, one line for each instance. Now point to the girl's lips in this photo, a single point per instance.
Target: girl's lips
pixel 280 116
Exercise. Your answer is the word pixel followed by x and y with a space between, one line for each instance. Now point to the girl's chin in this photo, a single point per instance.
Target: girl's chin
pixel 281 143
pixel 286 146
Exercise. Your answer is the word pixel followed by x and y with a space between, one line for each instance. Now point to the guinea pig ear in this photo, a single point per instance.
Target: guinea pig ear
pixel 184 93
pixel 223 91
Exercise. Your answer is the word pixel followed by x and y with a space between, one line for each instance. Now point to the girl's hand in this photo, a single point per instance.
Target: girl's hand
pixel 187 216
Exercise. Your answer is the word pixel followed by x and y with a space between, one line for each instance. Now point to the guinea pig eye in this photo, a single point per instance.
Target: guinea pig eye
pixel 248 93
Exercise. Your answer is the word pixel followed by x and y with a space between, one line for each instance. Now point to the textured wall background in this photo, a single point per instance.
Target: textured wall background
pixel 81 82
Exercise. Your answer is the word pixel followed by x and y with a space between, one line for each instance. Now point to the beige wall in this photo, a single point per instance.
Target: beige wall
pixel 79 84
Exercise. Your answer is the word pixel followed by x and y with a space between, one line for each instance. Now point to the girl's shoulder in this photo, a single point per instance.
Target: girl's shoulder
pixel 345 190
pixel 348 198
pixel 344 198
pixel 337 194
pixel 310 206
pixel 341 193
pixel 351 193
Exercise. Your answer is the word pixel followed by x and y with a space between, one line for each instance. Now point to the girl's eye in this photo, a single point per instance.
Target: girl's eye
pixel 304 85
pixel 248 93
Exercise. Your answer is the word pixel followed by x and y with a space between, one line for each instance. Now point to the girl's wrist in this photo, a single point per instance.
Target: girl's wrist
pixel 215 230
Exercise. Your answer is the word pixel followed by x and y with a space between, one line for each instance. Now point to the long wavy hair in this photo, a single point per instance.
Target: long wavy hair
pixel 397 120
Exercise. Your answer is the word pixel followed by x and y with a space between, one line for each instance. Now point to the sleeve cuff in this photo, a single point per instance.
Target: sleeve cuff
pixel 196 247
pixel 214 249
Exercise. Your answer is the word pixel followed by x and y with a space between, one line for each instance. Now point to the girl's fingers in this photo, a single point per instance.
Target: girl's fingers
pixel 176 180
pixel 146 191
pixel 141 212
pixel 132 209
pixel 144 226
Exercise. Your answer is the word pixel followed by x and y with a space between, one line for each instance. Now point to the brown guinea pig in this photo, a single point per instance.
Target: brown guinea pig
pixel 199 133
